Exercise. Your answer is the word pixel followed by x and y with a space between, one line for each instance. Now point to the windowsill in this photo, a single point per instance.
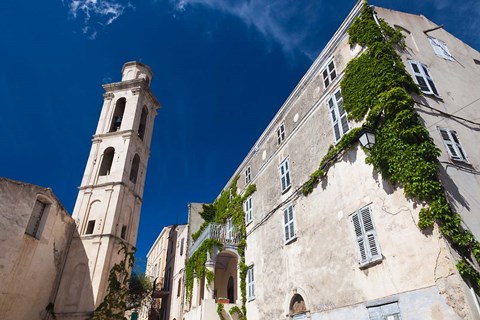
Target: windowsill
pixel 432 95
pixel 290 240
pixel 250 299
pixel 286 189
pixel 248 223
pixel 370 263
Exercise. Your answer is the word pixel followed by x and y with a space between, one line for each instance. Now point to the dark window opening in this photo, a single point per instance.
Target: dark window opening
pixel 181 247
pixel 143 123
pixel 134 169
pixel 118 115
pixel 107 161
pixel 124 232
pixel 90 227
pixel 476 61
pixel 230 290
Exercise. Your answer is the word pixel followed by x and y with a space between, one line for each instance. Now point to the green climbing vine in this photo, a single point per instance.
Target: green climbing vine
pixel 228 205
pixel 115 302
pixel 377 89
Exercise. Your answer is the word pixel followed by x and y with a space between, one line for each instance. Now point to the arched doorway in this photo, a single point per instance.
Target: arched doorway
pixel 225 284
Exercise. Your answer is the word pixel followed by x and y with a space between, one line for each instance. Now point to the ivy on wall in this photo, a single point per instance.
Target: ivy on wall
pixel 228 205
pixel 377 89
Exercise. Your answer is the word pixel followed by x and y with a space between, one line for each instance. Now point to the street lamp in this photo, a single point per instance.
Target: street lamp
pixel 367 138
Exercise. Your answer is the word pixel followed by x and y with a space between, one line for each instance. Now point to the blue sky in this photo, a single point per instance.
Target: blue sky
pixel 222 69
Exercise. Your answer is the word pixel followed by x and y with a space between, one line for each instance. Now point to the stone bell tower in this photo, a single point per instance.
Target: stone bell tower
pixel 107 210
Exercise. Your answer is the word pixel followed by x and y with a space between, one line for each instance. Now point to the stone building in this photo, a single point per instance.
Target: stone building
pixel 352 248
pixel 35 234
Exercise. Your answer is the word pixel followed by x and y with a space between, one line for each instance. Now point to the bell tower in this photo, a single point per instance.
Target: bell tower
pixel 107 210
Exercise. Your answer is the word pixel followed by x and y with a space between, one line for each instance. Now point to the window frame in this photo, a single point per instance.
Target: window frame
pixel 248 175
pixel 284 170
pixel 248 209
pixel 455 144
pixel 35 225
pixel 440 48
pixel 366 237
pixel 337 119
pixel 281 135
pixel 289 224
pixel 328 79
pixel 427 84
pixel 250 283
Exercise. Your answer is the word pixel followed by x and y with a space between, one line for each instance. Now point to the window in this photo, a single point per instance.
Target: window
pixel 338 115
pixel 181 246
pixel 123 234
pixel 179 287
pixel 107 161
pixel 440 48
pixel 423 78
pixel 289 223
pixel 33 226
pixel 366 236
pixel 248 175
pixel 281 133
pixel 476 61
pixel 118 115
pixel 454 148
pixel 388 311
pixel 143 123
pixel 285 175
pixel 247 207
pixel 90 227
pixel 229 229
pixel 134 169
pixel 329 74
pixel 250 284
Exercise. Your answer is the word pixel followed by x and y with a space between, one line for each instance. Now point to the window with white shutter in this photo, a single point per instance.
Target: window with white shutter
pixel 440 48
pixel 248 175
pixel 454 148
pixel 423 78
pixel 281 133
pixel 250 284
pixel 329 74
pixel 247 207
pixel 285 175
pixel 366 236
pixel 38 212
pixel 289 223
pixel 338 115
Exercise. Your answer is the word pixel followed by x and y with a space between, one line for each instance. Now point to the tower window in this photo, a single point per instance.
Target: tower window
pixel 34 223
pixel 123 234
pixel 143 123
pixel 90 227
pixel 134 169
pixel 107 161
pixel 118 115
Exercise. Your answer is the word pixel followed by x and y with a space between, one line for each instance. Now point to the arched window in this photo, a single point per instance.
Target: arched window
pixel 134 169
pixel 147 81
pixel 143 123
pixel 297 307
pixel 118 115
pixel 107 161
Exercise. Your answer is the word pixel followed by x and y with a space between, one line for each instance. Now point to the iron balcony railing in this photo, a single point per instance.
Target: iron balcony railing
pixel 228 236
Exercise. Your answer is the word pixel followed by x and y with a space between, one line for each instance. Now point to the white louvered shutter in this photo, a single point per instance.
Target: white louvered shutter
pixel 360 237
pixel 366 236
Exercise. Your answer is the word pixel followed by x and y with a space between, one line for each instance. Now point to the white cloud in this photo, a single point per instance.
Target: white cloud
pixel 95 12
pixel 273 19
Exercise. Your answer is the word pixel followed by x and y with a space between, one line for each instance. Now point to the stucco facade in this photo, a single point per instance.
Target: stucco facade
pixel 34 249
pixel 303 250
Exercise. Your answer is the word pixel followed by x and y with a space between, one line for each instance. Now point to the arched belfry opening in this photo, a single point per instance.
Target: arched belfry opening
pixel 118 115
pixel 107 161
pixel 134 169
pixel 298 309
pixel 143 123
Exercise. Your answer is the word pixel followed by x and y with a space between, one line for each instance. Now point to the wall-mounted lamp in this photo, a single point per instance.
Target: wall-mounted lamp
pixel 367 138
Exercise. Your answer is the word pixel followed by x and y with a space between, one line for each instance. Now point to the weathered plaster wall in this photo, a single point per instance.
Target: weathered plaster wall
pixel 30 268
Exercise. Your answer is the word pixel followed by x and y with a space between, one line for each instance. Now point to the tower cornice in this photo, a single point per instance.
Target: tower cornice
pixel 135 84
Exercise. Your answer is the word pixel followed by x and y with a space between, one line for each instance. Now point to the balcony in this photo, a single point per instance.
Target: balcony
pixel 227 234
